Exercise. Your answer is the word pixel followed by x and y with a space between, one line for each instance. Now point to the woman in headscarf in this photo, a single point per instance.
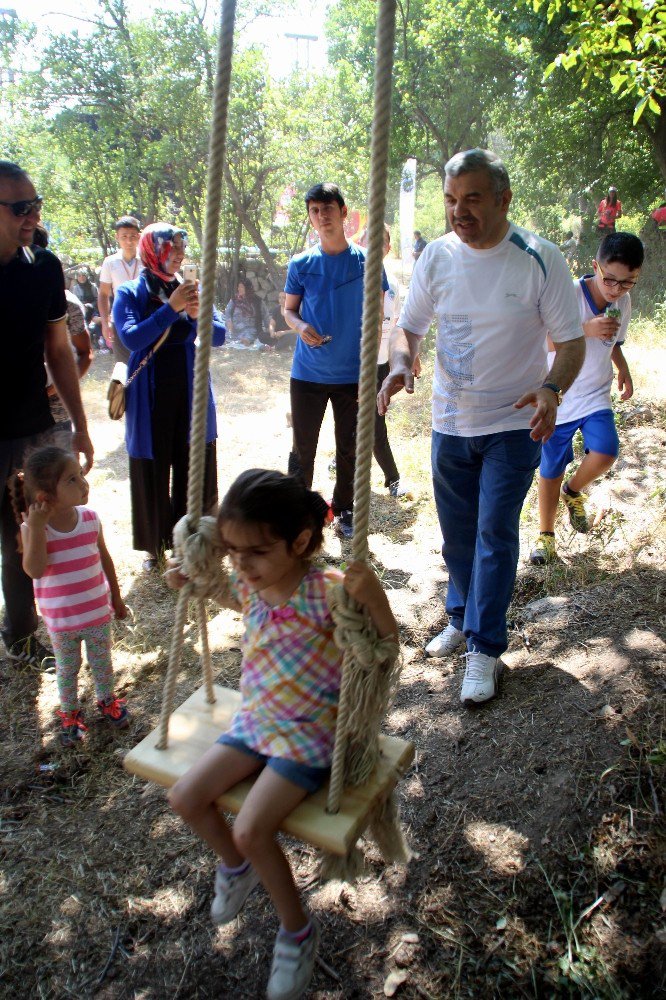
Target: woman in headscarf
pixel 246 317
pixel 159 398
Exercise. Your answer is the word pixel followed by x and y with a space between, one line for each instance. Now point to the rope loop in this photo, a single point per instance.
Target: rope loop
pixel 199 554
pixel 355 632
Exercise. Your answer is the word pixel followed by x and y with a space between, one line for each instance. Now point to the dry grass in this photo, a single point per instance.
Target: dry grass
pixel 537 819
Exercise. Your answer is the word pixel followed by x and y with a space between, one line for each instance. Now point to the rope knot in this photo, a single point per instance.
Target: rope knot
pixel 199 552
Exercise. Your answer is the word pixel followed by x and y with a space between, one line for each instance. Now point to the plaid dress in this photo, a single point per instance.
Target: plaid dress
pixel 290 677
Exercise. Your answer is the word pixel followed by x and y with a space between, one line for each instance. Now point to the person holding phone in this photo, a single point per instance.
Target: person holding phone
pixel 159 397
pixel 324 305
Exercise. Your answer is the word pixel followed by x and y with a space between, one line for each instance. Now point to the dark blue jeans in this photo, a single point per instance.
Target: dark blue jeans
pixel 480 485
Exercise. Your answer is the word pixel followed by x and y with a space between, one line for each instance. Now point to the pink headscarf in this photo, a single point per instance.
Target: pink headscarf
pixel 155 246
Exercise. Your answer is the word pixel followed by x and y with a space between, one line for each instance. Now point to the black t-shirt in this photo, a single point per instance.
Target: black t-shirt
pixel 32 294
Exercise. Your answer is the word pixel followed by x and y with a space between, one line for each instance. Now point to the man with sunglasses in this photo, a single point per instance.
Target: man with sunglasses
pixel 605 309
pixel 32 331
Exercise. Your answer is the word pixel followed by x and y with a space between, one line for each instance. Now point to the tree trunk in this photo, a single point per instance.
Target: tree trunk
pixel 253 230
pixel 657 134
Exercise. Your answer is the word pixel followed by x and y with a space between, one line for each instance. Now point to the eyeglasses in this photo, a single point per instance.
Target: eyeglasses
pixel 615 282
pixel 22 208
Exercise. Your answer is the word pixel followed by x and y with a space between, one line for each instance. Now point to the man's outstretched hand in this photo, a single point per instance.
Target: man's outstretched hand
pixel 396 380
pixel 542 423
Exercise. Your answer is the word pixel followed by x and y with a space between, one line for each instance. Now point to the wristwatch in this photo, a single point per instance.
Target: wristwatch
pixel 556 389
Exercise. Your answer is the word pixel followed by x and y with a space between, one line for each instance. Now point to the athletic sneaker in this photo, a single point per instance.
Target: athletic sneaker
pixel 448 640
pixel 231 891
pixel 577 512
pixel 544 550
pixel 115 712
pixel 73 727
pixel 293 965
pixel 344 524
pixel 482 675
pixel 396 489
pixel 29 652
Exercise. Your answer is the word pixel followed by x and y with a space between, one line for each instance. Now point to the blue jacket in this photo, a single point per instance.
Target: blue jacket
pixel 139 325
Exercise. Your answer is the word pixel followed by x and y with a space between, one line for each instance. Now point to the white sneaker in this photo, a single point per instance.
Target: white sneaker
pixel 231 891
pixel 293 965
pixel 448 640
pixel 481 681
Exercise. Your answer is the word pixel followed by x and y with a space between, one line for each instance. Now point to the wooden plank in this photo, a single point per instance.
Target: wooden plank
pixel 195 727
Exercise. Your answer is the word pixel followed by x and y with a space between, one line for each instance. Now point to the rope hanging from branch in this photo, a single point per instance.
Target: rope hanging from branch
pixel 370 666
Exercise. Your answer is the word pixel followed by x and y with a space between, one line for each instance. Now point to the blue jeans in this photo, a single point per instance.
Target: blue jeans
pixel 480 485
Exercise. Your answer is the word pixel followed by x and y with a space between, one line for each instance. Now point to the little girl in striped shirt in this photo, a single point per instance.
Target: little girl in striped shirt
pixel 74 580
pixel 271 526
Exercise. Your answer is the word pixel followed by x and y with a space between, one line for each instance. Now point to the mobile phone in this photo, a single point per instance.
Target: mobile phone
pixel 190 272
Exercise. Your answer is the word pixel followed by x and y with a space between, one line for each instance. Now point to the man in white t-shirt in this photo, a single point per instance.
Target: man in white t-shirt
pixel 117 269
pixel 605 310
pixel 495 290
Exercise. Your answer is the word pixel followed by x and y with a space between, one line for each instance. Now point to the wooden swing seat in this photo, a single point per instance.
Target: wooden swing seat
pixel 196 725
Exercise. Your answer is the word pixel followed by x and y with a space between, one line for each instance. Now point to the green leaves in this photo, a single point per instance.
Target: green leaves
pixel 623 41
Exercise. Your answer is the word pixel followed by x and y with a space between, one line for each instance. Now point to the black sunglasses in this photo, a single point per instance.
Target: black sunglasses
pixel 23 208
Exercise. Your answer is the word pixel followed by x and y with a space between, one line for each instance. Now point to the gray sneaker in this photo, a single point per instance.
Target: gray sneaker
pixel 293 966
pixel 344 524
pixel 446 642
pixel 231 892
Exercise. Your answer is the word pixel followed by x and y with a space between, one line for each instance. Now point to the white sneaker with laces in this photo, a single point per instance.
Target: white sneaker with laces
pixel 482 675
pixel 448 640
pixel 293 965
pixel 231 891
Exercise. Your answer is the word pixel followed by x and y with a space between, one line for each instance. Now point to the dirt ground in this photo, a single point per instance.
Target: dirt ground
pixel 537 820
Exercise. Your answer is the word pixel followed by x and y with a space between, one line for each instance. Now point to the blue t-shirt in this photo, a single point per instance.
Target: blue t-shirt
pixel 331 292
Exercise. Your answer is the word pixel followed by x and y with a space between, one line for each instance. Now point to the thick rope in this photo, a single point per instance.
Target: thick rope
pixel 205 652
pixel 372 286
pixel 216 150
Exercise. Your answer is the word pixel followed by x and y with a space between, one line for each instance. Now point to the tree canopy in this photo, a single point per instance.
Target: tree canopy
pixel 115 119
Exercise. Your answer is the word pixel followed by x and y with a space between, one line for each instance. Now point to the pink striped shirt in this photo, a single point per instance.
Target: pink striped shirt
pixel 74 592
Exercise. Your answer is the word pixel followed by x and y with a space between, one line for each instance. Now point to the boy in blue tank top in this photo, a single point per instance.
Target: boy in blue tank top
pixel 324 305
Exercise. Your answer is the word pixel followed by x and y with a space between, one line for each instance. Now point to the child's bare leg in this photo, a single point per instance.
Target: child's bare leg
pixel 593 466
pixel 193 797
pixel 549 497
pixel 269 801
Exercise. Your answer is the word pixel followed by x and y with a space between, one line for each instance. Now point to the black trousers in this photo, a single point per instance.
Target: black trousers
pixel 308 405
pixel 158 485
pixel 381 448
pixel 20 613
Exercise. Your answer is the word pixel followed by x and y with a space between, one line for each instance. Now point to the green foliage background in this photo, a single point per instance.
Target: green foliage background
pixel 117 120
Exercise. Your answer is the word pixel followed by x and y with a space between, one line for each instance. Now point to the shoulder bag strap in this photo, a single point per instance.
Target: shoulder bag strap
pixel 151 353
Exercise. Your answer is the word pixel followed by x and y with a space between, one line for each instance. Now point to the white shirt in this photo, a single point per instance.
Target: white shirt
pixel 493 310
pixel 391 313
pixel 591 391
pixel 116 271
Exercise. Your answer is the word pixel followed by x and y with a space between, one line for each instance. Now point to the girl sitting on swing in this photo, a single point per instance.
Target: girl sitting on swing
pixel 271 526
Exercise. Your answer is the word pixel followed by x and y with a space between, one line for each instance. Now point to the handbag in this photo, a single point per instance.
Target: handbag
pixel 115 394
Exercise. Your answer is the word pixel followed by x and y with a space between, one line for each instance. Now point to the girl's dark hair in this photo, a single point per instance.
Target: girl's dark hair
pixel 250 293
pixel 42 470
pixel 282 503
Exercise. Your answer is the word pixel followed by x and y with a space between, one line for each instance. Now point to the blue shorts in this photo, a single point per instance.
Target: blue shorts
pixel 599 435
pixel 303 775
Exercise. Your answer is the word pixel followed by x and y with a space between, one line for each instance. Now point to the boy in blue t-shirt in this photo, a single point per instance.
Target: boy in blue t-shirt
pixel 324 305
pixel 605 309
